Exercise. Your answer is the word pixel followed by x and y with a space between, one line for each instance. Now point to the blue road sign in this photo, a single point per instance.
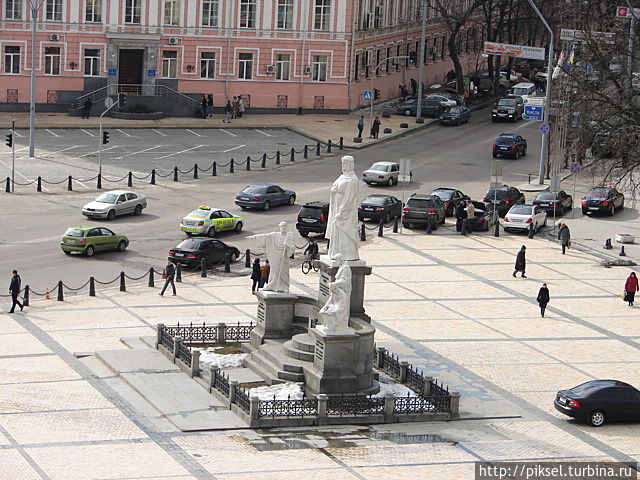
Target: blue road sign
pixel 367 95
pixel 533 112
pixel 112 72
pixel 545 128
pixel 575 167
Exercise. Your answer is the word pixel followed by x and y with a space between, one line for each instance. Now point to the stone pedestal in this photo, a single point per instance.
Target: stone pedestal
pixel 359 270
pixel 274 318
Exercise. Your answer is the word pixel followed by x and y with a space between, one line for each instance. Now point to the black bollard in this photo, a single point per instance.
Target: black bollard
pixel 293 152
pixel 264 161
pixel 496 229
pixel 99 183
pixel 429 226
pixel 278 157
pixel 231 166
pixel 60 293
pixel 203 268
pixel 7 188
pixel 607 244
pixel 153 176
pixel 227 262
pixel 380 227
pixel 531 231
pixel 622 252
pixel 306 151
pixel 318 149
pixel 179 273
pixel 69 183
pixel 92 287
pixel 363 233
pixel 25 297
pixel 395 225
pixel 247 258
pixel 39 187
pixel 175 174
pixel 151 278
pixel 341 143
pixel 329 144
pixel 123 287
pixel 130 180
pixel 195 171
pixel 214 171
pixel 248 167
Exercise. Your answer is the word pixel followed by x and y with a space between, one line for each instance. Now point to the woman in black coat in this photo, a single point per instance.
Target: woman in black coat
pixel 255 275
pixel 521 262
pixel 543 298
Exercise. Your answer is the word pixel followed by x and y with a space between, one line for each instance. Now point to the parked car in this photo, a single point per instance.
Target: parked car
pixel 558 202
pixel 205 220
pixel 455 115
pixel 383 173
pixel 313 218
pixel 509 144
pixel 599 401
pixel 451 198
pixel 115 202
pixel 423 209
pixel 431 107
pixel 89 239
pixel 379 207
pixel 508 108
pixel 602 199
pixel 484 217
pixel 485 83
pixel 444 98
pixel 504 198
pixel 191 251
pixel 524 90
pixel 264 196
pixel 524 217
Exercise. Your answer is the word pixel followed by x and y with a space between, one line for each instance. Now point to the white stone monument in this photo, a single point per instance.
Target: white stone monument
pixel 342 225
pixel 334 315
pixel 279 247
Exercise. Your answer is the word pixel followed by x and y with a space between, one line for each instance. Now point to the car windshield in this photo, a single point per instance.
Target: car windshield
pixel 598 194
pixel 374 200
pixel 443 194
pixel 378 168
pixel 107 198
pixel 520 91
pixel 584 388
pixel 499 194
pixel 509 102
pixel 521 210
pixel 73 232
pixel 546 196
pixel 420 203
pixel 189 244
pixel 455 110
pixel 311 212
pixel 506 140
pixel 254 189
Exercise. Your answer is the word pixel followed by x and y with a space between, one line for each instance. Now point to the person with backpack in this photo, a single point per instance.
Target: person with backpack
pixel 14 289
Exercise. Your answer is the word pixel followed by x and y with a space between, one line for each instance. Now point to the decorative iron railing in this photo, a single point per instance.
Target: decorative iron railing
pixel 438 390
pixel 242 399
pixel 238 333
pixel 184 354
pixel 136 89
pixel 415 380
pixel 194 333
pixel 288 408
pixel 390 363
pixel 166 340
pixel 408 405
pixel 355 405
pixel 221 382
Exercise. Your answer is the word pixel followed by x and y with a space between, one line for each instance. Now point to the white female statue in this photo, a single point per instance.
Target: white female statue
pixel 342 225
pixel 279 246
pixel 334 315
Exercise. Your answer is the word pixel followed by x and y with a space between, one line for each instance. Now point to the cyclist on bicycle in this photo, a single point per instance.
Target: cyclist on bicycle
pixel 312 250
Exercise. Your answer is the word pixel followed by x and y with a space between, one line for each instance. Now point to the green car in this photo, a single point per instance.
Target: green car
pixel 455 115
pixel 89 239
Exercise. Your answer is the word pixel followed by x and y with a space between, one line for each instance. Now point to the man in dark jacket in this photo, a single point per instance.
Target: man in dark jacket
pixel 14 289
pixel 543 298
pixel 255 275
pixel 564 235
pixel 86 109
pixel 170 273
pixel 521 262
pixel 312 250
pixel 461 215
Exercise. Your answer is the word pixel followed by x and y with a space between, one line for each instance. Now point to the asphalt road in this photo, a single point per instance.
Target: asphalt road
pixel 31 224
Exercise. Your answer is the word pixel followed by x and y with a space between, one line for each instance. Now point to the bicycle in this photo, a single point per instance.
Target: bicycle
pixel 309 264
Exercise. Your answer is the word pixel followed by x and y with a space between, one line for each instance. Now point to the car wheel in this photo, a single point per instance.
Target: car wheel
pixel 408 225
pixel 238 227
pixel 524 152
pixel 188 234
pixel 517 155
pixel 89 251
pixel 387 217
pixel 292 200
pixel 211 232
pixel 390 182
pixel 597 418
pixel 266 206
pixel 435 225
pixel 407 112
pixel 122 246
pixel 66 253
pixel 242 208
pixel 138 210
pixel 111 215
pixel 304 233
pixel 495 155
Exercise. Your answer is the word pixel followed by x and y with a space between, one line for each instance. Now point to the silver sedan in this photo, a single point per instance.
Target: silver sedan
pixel 115 202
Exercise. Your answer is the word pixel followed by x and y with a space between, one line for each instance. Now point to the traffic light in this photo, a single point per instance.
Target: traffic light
pixel 105 138
pixel 376 93
pixel 9 139
pixel 412 56
pixel 122 99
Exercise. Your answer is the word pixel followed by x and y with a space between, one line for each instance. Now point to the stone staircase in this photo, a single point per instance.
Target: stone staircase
pixel 300 347
pixel 269 361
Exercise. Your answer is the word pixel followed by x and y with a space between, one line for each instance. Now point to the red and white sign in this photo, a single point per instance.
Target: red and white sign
pixel 518 51
pixel 625 12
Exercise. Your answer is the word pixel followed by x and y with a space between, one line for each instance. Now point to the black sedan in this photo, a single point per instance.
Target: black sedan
pixel 483 217
pixel 264 196
pixel 377 207
pixel 602 200
pixel 455 115
pixel 451 198
pixel 191 251
pixel 558 202
pixel 598 401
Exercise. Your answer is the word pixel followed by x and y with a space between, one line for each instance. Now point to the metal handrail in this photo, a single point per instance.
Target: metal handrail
pixel 162 90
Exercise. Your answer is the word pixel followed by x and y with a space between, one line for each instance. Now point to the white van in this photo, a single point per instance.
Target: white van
pixel 524 90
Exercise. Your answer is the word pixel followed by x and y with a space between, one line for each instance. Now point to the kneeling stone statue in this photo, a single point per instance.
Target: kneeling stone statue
pixel 334 315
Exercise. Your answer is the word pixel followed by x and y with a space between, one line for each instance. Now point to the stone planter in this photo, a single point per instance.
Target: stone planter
pixel 625 238
pixel 137 116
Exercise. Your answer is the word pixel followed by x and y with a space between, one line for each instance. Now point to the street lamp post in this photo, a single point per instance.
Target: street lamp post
pixel 425 12
pixel 545 118
pixel 34 5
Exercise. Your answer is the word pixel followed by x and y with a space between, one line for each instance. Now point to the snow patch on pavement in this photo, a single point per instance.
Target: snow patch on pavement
pixel 388 385
pixel 282 391
pixel 210 357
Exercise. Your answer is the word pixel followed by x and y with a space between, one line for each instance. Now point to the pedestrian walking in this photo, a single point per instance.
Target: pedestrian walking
pixel 543 298
pixel 403 92
pixel 375 127
pixel 265 270
pixel 14 289
pixel 210 105
pixel 203 106
pixel 360 126
pixel 86 108
pixel 521 262
pixel 470 213
pixel 564 235
pixel 630 288
pixel 228 112
pixel 236 107
pixel 240 107
pixel 169 273
pixel 255 275
pixel 414 87
pixel 461 215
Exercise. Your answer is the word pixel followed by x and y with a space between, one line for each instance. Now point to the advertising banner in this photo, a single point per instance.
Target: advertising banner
pixel 518 51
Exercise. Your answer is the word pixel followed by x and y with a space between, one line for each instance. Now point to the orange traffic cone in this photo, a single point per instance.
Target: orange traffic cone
pixel 46 294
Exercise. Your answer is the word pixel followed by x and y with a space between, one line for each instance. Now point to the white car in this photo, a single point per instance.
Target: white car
pixel 382 173
pixel 522 217
pixel 115 202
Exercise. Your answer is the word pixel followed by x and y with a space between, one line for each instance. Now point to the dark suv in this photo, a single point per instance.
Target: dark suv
pixel 508 108
pixel 313 218
pixel 422 209
pixel 504 198
pixel 509 144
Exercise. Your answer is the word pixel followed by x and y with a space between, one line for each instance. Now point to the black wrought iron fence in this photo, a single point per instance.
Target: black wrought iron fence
pixel 390 363
pixel 221 382
pixel 355 405
pixel 288 408
pixel 239 332
pixel 242 399
pixel 408 405
pixel 194 333
pixel 415 380
pixel 166 340
pixel 184 354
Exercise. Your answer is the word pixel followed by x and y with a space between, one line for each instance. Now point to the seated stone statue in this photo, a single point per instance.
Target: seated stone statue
pixel 334 315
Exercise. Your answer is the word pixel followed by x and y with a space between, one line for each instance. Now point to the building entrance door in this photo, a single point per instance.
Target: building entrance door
pixel 130 70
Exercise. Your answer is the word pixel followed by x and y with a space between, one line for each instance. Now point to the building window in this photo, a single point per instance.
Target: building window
pixel 132 11
pixel 377 63
pixel 443 52
pixel 210 13
pixel 93 11
pixel 11 59
pixel 52 61
pixel 53 11
pixel 247 13
pixel 92 62
pixel 245 66
pixel 169 64
pixel 13 10
pixel 434 49
pixel 208 65
pixel 398 47
pixel 285 14
pixel 406 54
pixel 322 15
pixel 283 66
pixel 388 62
pixel 171 12
pixel 356 68
pixel 319 68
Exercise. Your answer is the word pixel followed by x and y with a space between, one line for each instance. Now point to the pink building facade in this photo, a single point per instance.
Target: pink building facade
pixel 277 54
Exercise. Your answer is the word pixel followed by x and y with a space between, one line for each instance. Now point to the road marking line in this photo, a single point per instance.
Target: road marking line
pixel 159 133
pixel 232 148
pixel 178 153
pixel 18 135
pixel 124 133
pixel 226 131
pixel 21 175
pixel 54 134
pixel 196 134
pixel 525 124
pixel 80 183
pixel 135 153
pixel 68 148
pixel 97 151
pixel 264 133
pixel 88 133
